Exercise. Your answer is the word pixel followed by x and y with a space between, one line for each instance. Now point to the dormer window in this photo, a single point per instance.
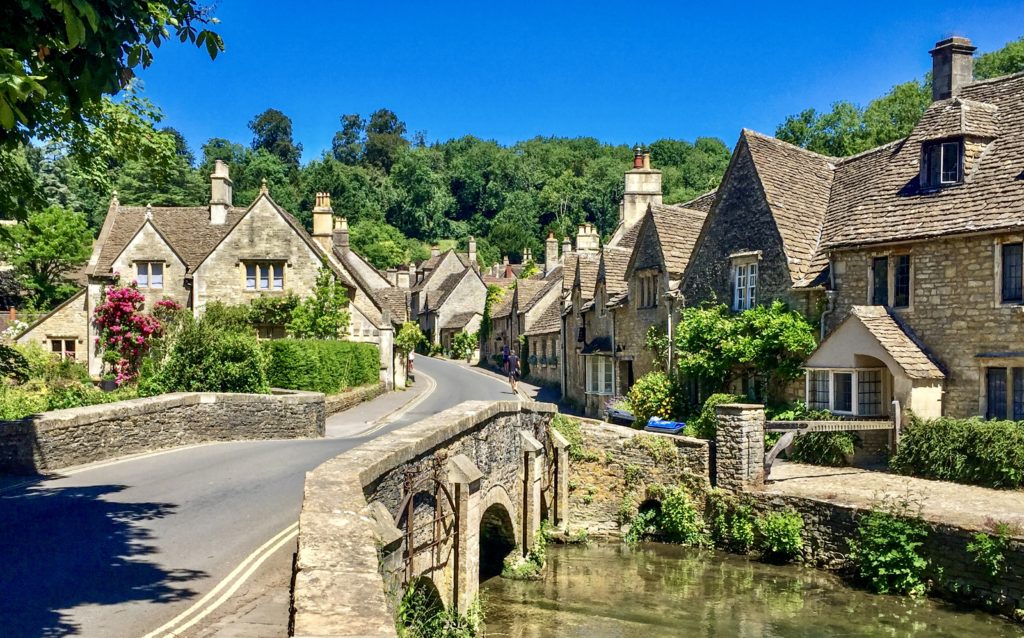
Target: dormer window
pixel 942 163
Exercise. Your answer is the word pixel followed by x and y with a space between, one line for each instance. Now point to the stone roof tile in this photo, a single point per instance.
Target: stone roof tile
pixel 897 340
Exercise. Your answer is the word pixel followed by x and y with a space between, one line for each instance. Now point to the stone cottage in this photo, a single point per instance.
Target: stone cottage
pixel 219 252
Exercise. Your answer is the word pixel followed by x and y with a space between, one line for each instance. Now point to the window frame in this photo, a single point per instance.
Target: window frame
pixel 63 352
pixel 1012 405
pixel 935 179
pixel 149 265
pixel 600 369
pixel 880 279
pixel 884 390
pixel 899 269
pixel 745 273
pixel 1002 278
pixel 264 275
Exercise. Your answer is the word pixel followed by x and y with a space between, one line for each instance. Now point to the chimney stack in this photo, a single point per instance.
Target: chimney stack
pixel 566 246
pixel 323 220
pixel 392 275
pixel 550 254
pixel 587 239
pixel 220 193
pixel 340 236
pixel 643 188
pixel 435 251
pixel 402 277
pixel 952 67
pixel 12 314
pixel 471 249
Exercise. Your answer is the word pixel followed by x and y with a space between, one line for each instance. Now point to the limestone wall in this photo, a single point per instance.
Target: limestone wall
pixel 69 321
pixel 149 245
pixel 63 438
pixel 350 548
pixel 342 401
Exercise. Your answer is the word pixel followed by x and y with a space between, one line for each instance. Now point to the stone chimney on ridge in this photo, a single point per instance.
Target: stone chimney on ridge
pixel 220 193
pixel 392 276
pixel 471 251
pixel 587 239
pixel 643 188
pixel 566 246
pixel 340 236
pixel 323 221
pixel 435 251
pixel 402 277
pixel 952 67
pixel 550 254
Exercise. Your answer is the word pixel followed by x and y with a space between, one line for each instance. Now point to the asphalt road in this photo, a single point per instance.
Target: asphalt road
pixel 121 549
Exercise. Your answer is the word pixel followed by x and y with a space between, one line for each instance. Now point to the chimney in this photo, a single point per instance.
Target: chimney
pixel 550 254
pixel 471 248
pixel 392 275
pixel 952 67
pixel 587 239
pixel 323 220
pixel 220 193
pixel 403 276
pixel 435 251
pixel 643 187
pixel 566 246
pixel 340 236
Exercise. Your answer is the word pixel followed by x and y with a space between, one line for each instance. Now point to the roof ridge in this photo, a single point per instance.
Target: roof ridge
pixel 998 78
pixel 844 160
pixel 775 140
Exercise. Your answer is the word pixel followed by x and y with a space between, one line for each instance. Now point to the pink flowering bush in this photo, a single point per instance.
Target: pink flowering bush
pixel 126 333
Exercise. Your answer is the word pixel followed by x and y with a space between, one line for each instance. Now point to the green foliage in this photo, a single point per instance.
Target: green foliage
pixel 886 549
pixel 13 365
pixel 679 521
pixel 1004 61
pixel 778 536
pixel 409 337
pixel 700 336
pixel 44 249
pixel 464 344
pixel 272 132
pixel 641 525
pixel 211 356
pixel 421 614
pixel 327 366
pixel 569 428
pixel 323 315
pixel 18 403
pixel 656 341
pixel 272 310
pixel 531 566
pixel 973 451
pixel 832 449
pixel 659 448
pixel 730 521
pixel 652 396
pixel 381 244
pixel 705 426
pixel 989 551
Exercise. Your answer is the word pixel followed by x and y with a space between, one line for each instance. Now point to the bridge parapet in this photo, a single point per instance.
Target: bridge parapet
pixel 410 505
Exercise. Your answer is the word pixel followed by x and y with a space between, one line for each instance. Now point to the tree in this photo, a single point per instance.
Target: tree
pixel 423 201
pixel 44 249
pixel 324 315
pixel 381 244
pixel 348 144
pixel 409 338
pixel 18 184
pixel 385 139
pixel 515 227
pixel 59 58
pixel 272 131
pixel 464 344
pixel 1007 60
pixel 361 192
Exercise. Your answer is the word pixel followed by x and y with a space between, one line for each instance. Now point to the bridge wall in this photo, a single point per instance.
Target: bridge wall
pixel 350 565
pixel 62 438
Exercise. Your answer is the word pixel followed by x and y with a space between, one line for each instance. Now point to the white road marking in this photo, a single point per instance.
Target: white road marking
pixel 388 419
pixel 232 582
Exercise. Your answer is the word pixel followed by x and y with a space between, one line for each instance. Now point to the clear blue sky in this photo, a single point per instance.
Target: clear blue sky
pixel 619 71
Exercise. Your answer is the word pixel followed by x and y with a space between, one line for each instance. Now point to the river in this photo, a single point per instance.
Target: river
pixel 658 591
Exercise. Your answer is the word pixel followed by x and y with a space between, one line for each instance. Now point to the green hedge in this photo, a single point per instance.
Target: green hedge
pixel 326 366
pixel 974 451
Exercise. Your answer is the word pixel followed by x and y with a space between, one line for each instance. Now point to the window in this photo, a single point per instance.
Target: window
pixel 63 348
pixel 901 282
pixel 599 375
pixel 880 281
pixel 995 393
pixel 1018 394
pixel 264 276
pixel 149 274
pixel 869 393
pixel 744 286
pixel 270 331
pixel 942 164
pixel 817 389
pixel 1011 271
pixel 842 385
pixel 647 290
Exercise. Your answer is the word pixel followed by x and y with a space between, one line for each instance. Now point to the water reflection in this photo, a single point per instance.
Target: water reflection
pixel 656 591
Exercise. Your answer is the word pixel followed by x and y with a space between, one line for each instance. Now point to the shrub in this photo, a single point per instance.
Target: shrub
pixel 731 522
pixel 833 449
pixel 651 396
pixel 326 366
pixel 18 403
pixel 886 549
pixel 679 521
pixel 779 535
pixel 421 614
pixel 464 344
pixel 44 366
pixel 989 453
pixel 706 425
pixel 570 429
pixel 13 365
pixel 989 551
pixel 207 357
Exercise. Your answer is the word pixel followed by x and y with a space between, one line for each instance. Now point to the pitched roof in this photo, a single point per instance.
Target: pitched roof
pixel 460 320
pixel 588 266
pixel 796 185
pixel 703 203
pixel 878 197
pixel 550 319
pixel 678 229
pixel 186 229
pixel 444 290
pixel 628 239
pixel 612 270
pixel 529 291
pixel 394 300
pixel 504 307
pixel 553 280
pixel 898 342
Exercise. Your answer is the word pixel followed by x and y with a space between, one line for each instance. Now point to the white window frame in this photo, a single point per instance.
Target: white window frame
pixel 600 368
pixel 145 274
pixel 266 276
pixel 63 352
pixel 745 273
pixel 854 390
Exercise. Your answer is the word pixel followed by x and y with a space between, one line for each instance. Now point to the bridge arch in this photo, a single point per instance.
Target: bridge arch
pixel 497 539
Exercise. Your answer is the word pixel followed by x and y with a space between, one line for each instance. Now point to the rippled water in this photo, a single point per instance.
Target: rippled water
pixel 655 591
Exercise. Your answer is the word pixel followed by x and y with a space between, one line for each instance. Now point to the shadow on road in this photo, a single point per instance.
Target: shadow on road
pixel 66 547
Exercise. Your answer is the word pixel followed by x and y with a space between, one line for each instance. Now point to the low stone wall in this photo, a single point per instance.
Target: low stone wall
pixel 62 438
pixel 348 540
pixel 828 528
pixel 619 464
pixel 350 398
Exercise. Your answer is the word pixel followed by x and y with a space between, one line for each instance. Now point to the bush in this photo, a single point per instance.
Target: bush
pixel 208 357
pixel 731 522
pixel 833 449
pixel 327 366
pixel 679 521
pixel 651 396
pixel 44 366
pixel 706 425
pixel 886 549
pixel 18 403
pixel 973 451
pixel 570 429
pixel 779 535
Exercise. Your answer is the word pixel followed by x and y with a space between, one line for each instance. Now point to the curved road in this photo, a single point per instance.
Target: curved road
pixel 120 549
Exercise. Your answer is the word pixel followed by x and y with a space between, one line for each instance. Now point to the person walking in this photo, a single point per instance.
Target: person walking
pixel 513 371
pixel 504 358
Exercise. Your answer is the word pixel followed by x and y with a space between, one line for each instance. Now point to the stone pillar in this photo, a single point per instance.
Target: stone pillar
pixel 739 447
pixel 465 477
pixel 561 482
pixel 386 343
pixel 533 470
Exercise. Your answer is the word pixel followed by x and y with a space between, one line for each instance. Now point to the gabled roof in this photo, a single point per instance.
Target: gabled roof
pixel 678 229
pixel 444 290
pixel 504 307
pixel 394 300
pixel 796 185
pixel 703 203
pixel 587 266
pixel 550 319
pixel 528 291
pixel 878 197
pixel 628 239
pixel 460 320
pixel 553 280
pixel 612 270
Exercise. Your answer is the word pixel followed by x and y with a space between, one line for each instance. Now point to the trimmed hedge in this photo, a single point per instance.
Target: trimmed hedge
pixel 327 366
pixel 973 451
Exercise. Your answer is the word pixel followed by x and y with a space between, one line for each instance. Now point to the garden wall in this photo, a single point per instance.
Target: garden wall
pixel 350 398
pixel 63 438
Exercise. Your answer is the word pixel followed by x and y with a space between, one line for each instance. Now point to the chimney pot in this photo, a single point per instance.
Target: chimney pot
pixel 638 156
pixel 952 67
pixel 340 235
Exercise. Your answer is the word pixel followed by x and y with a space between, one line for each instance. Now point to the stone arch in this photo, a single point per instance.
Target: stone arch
pixel 498 532
pixel 423 600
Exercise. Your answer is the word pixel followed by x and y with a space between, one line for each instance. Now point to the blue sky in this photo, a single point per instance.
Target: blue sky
pixel 619 71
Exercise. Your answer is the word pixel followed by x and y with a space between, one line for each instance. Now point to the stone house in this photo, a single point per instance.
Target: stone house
pixel 220 252
pixel 450 306
pixel 580 278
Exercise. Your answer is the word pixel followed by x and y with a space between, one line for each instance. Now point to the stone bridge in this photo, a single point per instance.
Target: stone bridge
pixel 439 503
